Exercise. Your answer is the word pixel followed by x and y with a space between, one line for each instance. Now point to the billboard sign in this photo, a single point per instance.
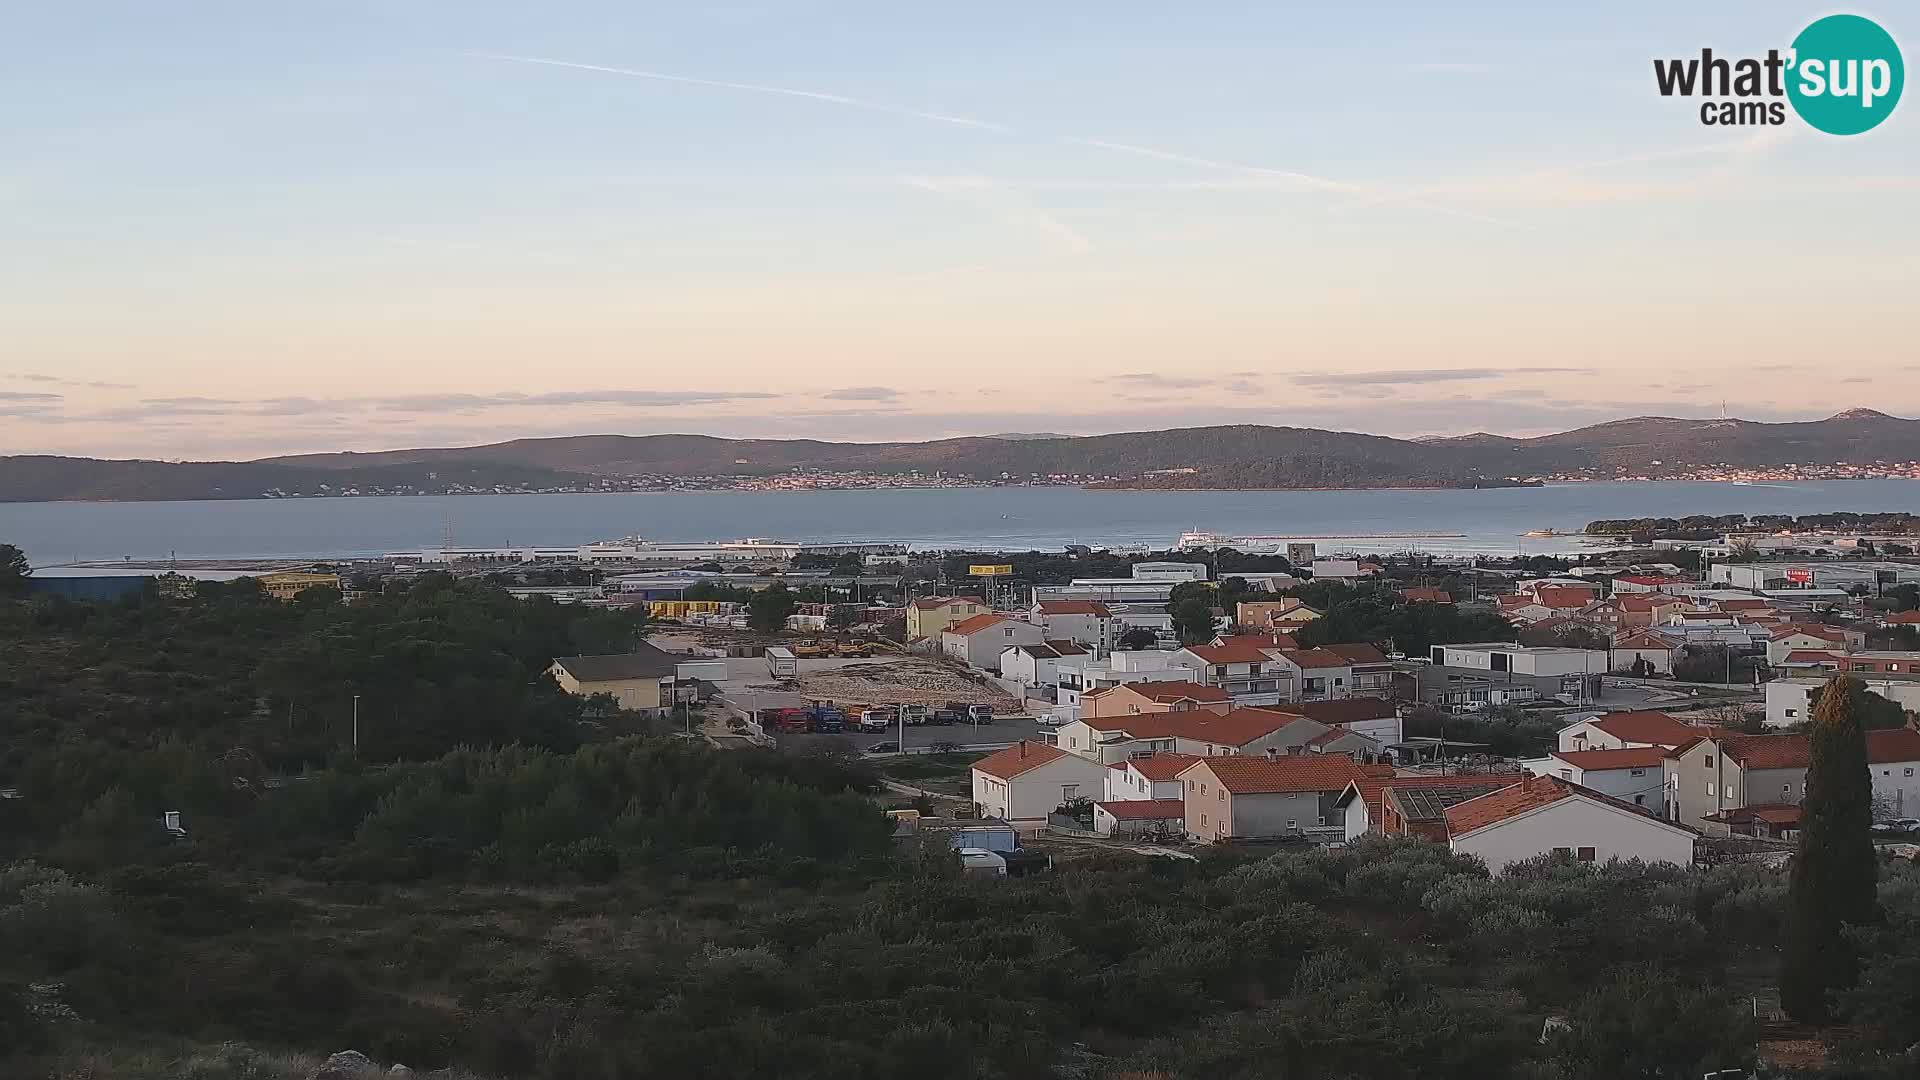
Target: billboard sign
pixel 1000 570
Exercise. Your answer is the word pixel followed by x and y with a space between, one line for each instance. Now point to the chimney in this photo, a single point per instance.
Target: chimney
pixel 1272 753
pixel 1023 748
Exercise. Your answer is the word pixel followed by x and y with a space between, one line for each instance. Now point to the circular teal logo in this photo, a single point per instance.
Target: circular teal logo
pixel 1846 74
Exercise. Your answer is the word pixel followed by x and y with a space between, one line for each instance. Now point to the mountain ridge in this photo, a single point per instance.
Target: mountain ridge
pixel 1228 456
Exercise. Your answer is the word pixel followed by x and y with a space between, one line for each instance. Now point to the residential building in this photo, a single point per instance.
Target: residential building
pixel 1029 780
pixel 1900 618
pixel 639 681
pixel 1645 583
pixel 1727 770
pixel 1544 815
pixel 1321 673
pixel 1363 808
pixel 1140 818
pixel 1037 665
pixel 1633 648
pixel 1260 614
pixel 1200 732
pixel 1081 675
pixel 1424 594
pixel 1636 775
pixel 1251 674
pixel 978 642
pixel 287 584
pixel 1790 701
pixel 1376 718
pixel 1631 610
pixel 1230 798
pixel 1369 670
pixel 1629 729
pixel 1156 776
pixel 1132 698
pixel 929 616
pixel 1083 622
pixel 1792 637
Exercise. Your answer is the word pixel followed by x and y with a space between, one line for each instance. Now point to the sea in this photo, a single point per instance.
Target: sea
pixel 1492 521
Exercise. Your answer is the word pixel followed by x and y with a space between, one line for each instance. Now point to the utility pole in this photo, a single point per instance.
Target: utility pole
pixel 356 724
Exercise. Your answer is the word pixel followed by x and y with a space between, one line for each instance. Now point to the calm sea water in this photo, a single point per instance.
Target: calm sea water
pixel 1009 518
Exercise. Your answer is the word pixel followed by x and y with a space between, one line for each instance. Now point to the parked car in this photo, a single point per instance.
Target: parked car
pixel 883 748
pixel 1897 827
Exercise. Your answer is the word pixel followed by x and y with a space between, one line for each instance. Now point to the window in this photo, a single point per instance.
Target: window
pixel 1707 761
pixel 1223 795
pixel 1793 712
pixel 1203 819
pixel 1586 854
pixel 1786 789
pixel 1639 800
pixel 1709 787
pixel 1069 792
pixel 1909 770
pixel 1562 851
pixel 1203 788
pixel 1566 774
pixel 1636 772
pixel 1293 826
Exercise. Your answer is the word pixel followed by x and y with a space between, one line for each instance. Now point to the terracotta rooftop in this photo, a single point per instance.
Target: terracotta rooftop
pixel 1372 789
pixel 1426 595
pixel 1824 633
pixel 1160 767
pixel 1021 757
pixel 1074 607
pixel 1259 776
pixel 1813 656
pixel 1260 641
pixel 1236 727
pixel 1516 799
pixel 1339 710
pixel 1145 809
pixel 1638 757
pixel 1634 601
pixel 976 623
pixel 1902 618
pixel 1558 597
pixel 1358 652
pixel 1647 726
pixel 1166 693
pixel 1318 658
pixel 1648 579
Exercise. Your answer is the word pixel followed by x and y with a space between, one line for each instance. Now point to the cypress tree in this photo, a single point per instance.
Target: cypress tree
pixel 1834 870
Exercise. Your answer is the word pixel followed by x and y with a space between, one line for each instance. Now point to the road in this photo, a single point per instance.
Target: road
pixel 1004 731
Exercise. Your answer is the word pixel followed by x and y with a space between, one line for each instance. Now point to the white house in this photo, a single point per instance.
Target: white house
pixel 1084 622
pixel 1544 815
pixel 1623 730
pixel 1632 647
pixel 1789 639
pixel 1037 665
pixel 1790 701
pixel 1157 818
pixel 1636 775
pixel 978 642
pixel 1026 781
pixel 1153 777
pixel 1376 718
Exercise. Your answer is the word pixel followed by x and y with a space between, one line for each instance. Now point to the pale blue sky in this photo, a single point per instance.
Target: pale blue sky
pixel 230 229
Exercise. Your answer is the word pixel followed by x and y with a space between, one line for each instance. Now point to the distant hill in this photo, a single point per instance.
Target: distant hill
pixel 1238 456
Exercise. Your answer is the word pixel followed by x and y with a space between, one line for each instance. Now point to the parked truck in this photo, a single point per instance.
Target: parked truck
pixel 827 720
pixel 972 713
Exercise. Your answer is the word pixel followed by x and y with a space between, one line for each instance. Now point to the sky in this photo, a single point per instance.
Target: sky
pixel 235 229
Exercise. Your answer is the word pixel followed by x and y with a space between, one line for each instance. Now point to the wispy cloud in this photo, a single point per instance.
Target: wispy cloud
pixel 1004 204
pixel 862 393
pixel 15 396
pixel 1454 67
pixel 1162 382
pixel 1406 376
pixel 755 88
pixel 429 403
pixel 55 380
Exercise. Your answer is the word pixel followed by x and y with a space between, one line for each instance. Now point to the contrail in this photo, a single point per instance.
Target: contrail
pixel 756 88
pixel 1207 163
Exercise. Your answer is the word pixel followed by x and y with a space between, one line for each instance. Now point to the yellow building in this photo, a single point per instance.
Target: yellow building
pixel 287 584
pixel 639 681
pixel 1287 612
pixel 929 617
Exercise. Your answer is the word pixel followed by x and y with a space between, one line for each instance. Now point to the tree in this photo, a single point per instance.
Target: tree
pixel 1138 637
pixel 1834 868
pixel 1193 618
pixel 14 570
pixel 768 609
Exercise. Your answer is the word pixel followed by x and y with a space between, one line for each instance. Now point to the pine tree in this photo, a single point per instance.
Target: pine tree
pixel 1834 870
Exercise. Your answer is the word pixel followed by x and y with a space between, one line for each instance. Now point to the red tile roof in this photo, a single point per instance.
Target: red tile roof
pixel 1166 693
pixel 1074 607
pixel 1372 790
pixel 934 603
pixel 1426 595
pixel 1648 579
pixel 1893 744
pixel 1565 597
pixel 1358 652
pixel 1742 605
pixel 1260 776
pixel 1647 726
pixel 1160 767
pixel 1021 757
pixel 1514 600
pixel 1236 727
pixel 1260 641
pixel 1334 735
pixel 976 624
pixel 1339 710
pixel 1824 633
pixel 1647 602
pixel 1145 809
pixel 1317 658
pixel 1529 794
pixel 1643 638
pixel 1812 656
pixel 1902 618
pixel 1638 757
